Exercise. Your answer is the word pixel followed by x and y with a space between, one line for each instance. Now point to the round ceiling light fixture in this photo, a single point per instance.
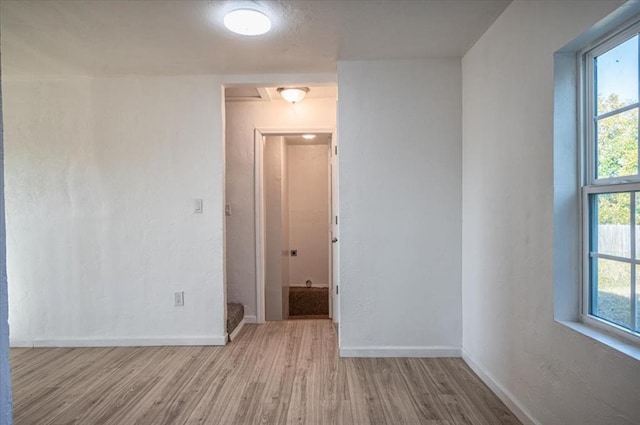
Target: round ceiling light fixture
pixel 247 22
pixel 293 94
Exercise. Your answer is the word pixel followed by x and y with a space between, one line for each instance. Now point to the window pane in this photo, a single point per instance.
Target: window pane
pixel 637 329
pixel 617 149
pixel 617 77
pixel 613 218
pixel 637 324
pixel 637 213
pixel 613 291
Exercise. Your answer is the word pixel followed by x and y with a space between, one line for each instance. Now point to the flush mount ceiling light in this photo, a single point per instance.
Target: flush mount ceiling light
pixel 247 22
pixel 293 94
pixel 309 136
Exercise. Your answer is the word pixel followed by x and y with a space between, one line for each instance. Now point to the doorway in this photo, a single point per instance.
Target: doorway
pixel 253 111
pixel 294 232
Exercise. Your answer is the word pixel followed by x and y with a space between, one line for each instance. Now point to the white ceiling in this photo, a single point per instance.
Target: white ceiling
pixel 169 37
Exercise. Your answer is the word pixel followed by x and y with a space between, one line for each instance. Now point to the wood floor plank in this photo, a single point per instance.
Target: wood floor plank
pixel 275 373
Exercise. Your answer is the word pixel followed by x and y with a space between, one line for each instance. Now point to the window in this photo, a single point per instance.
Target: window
pixel 611 184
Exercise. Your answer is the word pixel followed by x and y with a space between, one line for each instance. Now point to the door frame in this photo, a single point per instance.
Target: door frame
pixel 259 208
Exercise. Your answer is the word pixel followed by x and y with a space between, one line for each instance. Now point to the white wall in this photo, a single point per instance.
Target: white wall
pixel 400 199
pixel 241 120
pixel 309 213
pixel 551 373
pixel 100 180
pixel 5 370
pixel 275 189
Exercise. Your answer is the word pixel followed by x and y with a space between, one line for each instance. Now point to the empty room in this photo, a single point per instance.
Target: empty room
pixel 320 212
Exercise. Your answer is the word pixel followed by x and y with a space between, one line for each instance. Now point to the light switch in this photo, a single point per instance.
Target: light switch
pixel 227 209
pixel 197 206
pixel 178 299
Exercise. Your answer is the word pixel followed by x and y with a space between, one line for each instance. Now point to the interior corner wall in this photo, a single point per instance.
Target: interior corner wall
pixel 546 372
pixel 242 118
pixel 101 177
pixel 400 207
pixel 275 225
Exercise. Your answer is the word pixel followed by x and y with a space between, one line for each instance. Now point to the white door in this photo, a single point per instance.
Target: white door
pixel 330 235
pixel 335 235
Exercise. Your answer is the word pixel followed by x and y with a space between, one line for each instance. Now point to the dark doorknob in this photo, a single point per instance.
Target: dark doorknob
pixel 334 240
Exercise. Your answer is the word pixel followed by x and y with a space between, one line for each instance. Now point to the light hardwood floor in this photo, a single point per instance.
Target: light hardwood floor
pixel 276 373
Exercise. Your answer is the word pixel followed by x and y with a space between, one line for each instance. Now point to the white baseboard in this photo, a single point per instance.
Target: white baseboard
pixel 119 342
pixel 20 343
pixel 250 319
pixel 236 331
pixel 503 394
pixel 400 351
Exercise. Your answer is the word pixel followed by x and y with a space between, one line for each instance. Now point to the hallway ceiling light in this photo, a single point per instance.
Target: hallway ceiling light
pixel 309 136
pixel 247 22
pixel 293 94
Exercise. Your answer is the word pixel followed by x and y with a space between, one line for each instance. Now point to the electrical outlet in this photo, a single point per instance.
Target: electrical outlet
pixel 178 299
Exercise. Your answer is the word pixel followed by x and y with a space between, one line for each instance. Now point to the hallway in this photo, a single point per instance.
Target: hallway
pixel 283 372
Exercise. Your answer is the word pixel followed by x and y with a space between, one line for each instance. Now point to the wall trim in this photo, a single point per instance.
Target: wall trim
pixel 119 342
pixel 236 331
pixel 515 405
pixel 267 80
pixel 251 318
pixel 435 351
pixel 315 285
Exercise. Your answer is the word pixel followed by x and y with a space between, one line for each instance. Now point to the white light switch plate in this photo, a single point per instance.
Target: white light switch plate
pixel 197 206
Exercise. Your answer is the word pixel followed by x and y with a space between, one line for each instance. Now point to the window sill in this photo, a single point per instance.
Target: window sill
pixel 617 343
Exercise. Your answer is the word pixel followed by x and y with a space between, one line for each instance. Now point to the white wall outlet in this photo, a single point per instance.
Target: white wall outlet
pixel 197 206
pixel 178 299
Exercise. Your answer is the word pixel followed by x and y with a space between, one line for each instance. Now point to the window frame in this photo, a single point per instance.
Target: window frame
pixel 590 185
